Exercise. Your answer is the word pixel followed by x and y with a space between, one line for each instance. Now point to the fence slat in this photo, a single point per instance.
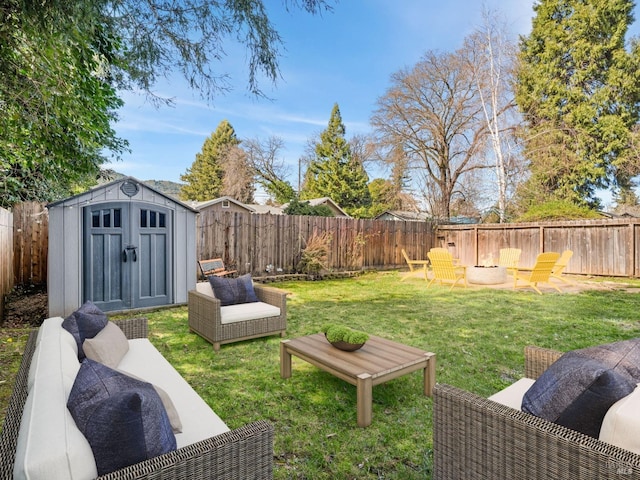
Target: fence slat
pixel 30 243
pixel 6 256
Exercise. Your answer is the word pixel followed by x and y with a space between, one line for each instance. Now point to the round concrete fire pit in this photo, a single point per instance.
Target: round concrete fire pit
pixel 486 275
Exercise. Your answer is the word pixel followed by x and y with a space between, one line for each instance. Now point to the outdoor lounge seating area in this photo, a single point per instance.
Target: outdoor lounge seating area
pixel 478 336
pixel 224 319
pixel 116 429
pixel 492 438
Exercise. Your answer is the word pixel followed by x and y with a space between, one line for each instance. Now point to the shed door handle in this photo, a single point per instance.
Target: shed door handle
pixel 125 255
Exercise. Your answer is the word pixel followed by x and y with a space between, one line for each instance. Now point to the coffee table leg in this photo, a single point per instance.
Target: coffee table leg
pixel 364 387
pixel 430 374
pixel 285 360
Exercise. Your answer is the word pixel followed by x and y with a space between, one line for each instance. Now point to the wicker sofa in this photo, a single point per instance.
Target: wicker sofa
pixel 477 438
pixel 234 323
pixel 245 452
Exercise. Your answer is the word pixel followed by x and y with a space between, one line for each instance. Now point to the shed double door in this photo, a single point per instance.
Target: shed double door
pixel 126 257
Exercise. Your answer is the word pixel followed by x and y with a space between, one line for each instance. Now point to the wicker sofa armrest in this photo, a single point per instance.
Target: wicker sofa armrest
pixel 13 415
pixel 272 296
pixel 476 438
pixel 133 327
pixel 537 360
pixel 204 315
pixel 243 453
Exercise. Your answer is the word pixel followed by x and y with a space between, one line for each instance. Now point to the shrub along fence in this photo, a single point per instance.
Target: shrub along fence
pixel 608 247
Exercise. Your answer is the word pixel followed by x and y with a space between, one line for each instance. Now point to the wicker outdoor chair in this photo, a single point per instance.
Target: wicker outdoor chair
pixel 476 438
pixel 244 452
pixel 205 316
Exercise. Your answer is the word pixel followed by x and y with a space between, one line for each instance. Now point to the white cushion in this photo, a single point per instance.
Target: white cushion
pixel 199 422
pixel 205 287
pixel 247 311
pixel 51 334
pixel 49 443
pixel 621 424
pixel 513 394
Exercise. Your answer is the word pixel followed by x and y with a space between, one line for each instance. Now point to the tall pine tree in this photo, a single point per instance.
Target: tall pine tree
pixel 579 90
pixel 334 173
pixel 204 180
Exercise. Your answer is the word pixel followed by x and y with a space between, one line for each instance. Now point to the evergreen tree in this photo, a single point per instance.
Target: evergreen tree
pixel 334 173
pixel 296 207
pixel 204 180
pixel 579 90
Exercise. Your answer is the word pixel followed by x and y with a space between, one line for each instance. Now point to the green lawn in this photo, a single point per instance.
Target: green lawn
pixel 477 334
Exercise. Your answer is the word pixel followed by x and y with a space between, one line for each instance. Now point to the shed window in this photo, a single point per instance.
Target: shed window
pixel 152 219
pixel 106 218
pixel 226 204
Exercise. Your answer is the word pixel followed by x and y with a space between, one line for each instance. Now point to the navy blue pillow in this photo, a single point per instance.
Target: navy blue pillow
pixel 577 390
pixel 231 291
pixel 86 322
pixel 122 418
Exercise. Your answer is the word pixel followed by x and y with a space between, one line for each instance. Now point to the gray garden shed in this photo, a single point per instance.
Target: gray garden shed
pixel 122 245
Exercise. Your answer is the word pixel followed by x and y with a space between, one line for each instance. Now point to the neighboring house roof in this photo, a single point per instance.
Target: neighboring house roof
pixel 221 200
pixel 314 202
pixel 266 209
pixel 464 220
pixel 403 216
pixel 627 214
pixel 270 209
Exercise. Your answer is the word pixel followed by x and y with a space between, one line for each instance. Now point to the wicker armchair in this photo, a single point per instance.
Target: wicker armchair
pixel 205 317
pixel 246 452
pixel 476 438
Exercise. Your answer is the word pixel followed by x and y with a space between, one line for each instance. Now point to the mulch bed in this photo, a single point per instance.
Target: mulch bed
pixel 26 305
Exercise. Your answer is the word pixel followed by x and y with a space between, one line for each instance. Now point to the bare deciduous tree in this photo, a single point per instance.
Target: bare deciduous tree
pixel 269 170
pixel 237 180
pixel 432 112
pixel 491 56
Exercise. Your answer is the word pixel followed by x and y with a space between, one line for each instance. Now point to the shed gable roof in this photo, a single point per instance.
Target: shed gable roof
pixel 115 183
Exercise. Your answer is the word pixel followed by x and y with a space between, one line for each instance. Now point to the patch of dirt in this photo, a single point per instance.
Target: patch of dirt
pixel 26 305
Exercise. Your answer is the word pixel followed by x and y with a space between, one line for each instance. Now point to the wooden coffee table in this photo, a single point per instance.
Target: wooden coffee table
pixel 378 361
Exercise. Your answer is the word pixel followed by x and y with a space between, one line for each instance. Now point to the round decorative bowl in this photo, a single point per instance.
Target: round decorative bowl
pixel 347 347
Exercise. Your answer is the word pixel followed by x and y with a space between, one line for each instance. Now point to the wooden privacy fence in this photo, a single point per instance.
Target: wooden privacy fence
pixel 30 243
pixel 253 242
pixel 273 243
pixel 600 247
pixel 6 255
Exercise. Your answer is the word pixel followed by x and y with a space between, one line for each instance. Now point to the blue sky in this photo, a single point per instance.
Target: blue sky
pixel 345 56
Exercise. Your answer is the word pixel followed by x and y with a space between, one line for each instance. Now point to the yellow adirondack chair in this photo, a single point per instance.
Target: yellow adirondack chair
pixel 443 268
pixel 560 265
pixel 414 266
pixel 540 273
pixel 456 261
pixel 509 258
